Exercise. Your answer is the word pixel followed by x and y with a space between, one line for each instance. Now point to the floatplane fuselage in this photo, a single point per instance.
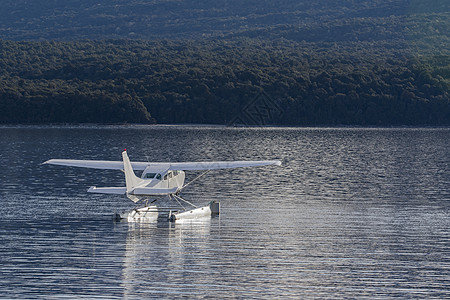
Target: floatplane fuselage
pixel 156 180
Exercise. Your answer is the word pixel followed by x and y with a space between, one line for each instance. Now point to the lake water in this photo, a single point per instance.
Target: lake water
pixel 351 213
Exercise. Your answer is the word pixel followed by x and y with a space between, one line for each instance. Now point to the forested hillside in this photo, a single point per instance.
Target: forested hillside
pixel 324 62
pixel 187 19
pixel 211 82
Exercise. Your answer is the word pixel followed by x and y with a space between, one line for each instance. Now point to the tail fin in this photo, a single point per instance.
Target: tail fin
pixel 131 179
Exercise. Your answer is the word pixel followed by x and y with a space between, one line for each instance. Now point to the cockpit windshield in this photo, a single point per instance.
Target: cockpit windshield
pixel 150 175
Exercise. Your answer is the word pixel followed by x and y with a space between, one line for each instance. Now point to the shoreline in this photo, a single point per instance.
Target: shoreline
pixel 207 126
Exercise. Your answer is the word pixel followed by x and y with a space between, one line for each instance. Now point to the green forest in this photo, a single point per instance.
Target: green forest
pixel 352 62
pixel 123 81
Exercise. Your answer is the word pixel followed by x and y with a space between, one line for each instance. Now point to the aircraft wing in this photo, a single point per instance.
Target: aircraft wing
pixel 180 166
pixel 216 165
pixel 96 164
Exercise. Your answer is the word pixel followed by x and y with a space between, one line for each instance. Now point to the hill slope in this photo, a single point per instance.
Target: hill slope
pixel 211 82
pixel 150 19
pixel 380 62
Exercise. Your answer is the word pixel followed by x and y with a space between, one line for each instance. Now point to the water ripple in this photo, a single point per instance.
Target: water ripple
pixel 352 213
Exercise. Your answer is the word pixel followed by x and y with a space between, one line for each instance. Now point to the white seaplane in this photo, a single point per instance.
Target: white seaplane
pixel 158 179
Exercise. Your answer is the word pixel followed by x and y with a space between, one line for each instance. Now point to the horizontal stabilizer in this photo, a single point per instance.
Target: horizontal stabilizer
pixel 153 192
pixel 108 190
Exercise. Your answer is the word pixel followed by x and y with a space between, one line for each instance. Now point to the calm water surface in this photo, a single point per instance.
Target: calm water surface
pixel 352 213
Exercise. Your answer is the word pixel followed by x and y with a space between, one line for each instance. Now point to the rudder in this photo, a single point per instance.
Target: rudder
pixel 131 179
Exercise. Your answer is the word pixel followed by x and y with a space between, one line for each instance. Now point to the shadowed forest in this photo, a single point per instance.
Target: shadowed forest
pixel 359 63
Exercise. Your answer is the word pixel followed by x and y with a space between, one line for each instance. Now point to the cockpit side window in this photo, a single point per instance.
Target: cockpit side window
pixel 158 176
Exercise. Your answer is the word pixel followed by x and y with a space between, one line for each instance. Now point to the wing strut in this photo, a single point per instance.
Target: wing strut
pixel 204 173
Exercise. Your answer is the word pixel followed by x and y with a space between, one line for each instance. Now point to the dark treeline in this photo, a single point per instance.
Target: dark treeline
pixel 203 81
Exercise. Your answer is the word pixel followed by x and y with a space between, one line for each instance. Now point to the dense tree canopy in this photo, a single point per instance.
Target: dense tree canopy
pixel 193 19
pixel 212 81
pixel 378 62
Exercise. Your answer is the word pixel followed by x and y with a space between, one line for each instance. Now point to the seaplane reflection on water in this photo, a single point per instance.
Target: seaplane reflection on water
pixel 163 256
pixel 158 180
